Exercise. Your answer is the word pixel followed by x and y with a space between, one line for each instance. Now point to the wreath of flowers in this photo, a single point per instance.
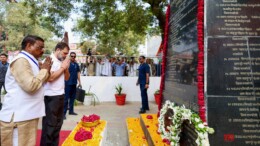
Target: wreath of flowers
pixel 181 114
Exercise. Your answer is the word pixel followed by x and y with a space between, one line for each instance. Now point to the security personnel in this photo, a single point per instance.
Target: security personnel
pixel 143 80
pixel 71 84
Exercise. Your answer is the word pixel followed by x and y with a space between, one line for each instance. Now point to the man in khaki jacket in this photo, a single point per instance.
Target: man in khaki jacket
pixel 24 101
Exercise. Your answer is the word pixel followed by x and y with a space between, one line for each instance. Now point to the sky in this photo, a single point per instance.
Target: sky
pixel 68 26
pixel 71 22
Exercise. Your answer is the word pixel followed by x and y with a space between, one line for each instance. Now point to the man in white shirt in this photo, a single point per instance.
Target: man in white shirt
pixel 54 96
pixel 98 67
pixel 107 67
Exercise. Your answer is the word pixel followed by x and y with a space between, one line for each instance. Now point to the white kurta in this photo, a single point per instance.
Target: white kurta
pixel 98 69
pixel 132 70
pixel 107 68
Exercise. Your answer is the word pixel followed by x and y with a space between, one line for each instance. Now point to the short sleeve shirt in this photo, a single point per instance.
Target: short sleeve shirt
pixel 56 87
pixel 143 70
pixel 73 69
pixel 3 69
pixel 119 68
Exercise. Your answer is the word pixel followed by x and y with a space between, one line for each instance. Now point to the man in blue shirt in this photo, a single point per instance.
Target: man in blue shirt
pixel 143 81
pixel 119 67
pixel 71 85
pixel 3 68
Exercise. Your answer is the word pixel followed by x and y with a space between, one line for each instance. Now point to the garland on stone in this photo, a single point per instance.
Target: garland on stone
pixel 164 54
pixel 181 114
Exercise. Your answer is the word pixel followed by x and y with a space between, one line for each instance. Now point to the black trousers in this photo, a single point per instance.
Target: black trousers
pixel 70 96
pixel 145 105
pixel 52 122
pixel 2 84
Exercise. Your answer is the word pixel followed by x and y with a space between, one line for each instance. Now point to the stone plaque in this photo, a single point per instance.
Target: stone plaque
pixel 182 61
pixel 181 70
pixel 228 68
pixel 232 42
pixel 235 120
pixel 233 17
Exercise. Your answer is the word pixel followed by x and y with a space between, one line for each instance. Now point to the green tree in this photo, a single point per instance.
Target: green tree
pixel 105 20
pixel 136 15
pixel 84 46
pixel 16 23
pixel 51 13
pixel 116 24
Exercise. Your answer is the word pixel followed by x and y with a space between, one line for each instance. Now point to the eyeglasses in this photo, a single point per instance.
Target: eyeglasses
pixel 73 56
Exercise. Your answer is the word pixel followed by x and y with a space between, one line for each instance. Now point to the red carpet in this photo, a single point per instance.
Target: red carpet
pixel 63 135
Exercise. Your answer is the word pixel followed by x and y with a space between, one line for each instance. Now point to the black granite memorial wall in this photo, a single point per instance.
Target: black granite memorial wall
pixel 232 41
pixel 232 67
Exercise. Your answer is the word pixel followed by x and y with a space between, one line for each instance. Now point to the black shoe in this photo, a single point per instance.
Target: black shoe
pixel 145 109
pixel 141 111
pixel 64 117
pixel 73 113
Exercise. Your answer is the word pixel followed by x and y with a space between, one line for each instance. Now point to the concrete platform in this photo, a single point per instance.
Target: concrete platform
pixel 115 116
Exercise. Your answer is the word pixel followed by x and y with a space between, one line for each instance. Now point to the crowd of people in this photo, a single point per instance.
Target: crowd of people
pixel 46 89
pixel 117 66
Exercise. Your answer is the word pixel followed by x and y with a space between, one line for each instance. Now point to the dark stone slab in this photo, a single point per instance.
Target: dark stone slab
pixel 233 17
pixel 188 135
pixel 254 50
pixel 228 70
pixel 235 120
pixel 146 133
pixel 232 67
pixel 233 71
pixel 182 60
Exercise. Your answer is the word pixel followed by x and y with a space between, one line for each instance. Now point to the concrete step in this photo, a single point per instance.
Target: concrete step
pixel 149 124
pixel 136 135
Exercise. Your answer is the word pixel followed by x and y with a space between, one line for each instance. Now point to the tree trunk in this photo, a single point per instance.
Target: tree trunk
pixel 158 12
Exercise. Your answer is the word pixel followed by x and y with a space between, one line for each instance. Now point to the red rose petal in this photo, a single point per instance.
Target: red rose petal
pixel 149 117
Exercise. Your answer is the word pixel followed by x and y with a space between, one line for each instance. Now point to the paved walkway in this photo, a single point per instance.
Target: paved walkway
pixel 115 116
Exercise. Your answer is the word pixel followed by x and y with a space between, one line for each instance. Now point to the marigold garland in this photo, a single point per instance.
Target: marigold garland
pixel 181 114
pixel 95 140
pixel 152 127
pixel 135 132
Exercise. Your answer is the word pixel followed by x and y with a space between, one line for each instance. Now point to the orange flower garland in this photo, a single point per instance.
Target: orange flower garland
pixel 135 132
pixel 151 123
pixel 96 132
